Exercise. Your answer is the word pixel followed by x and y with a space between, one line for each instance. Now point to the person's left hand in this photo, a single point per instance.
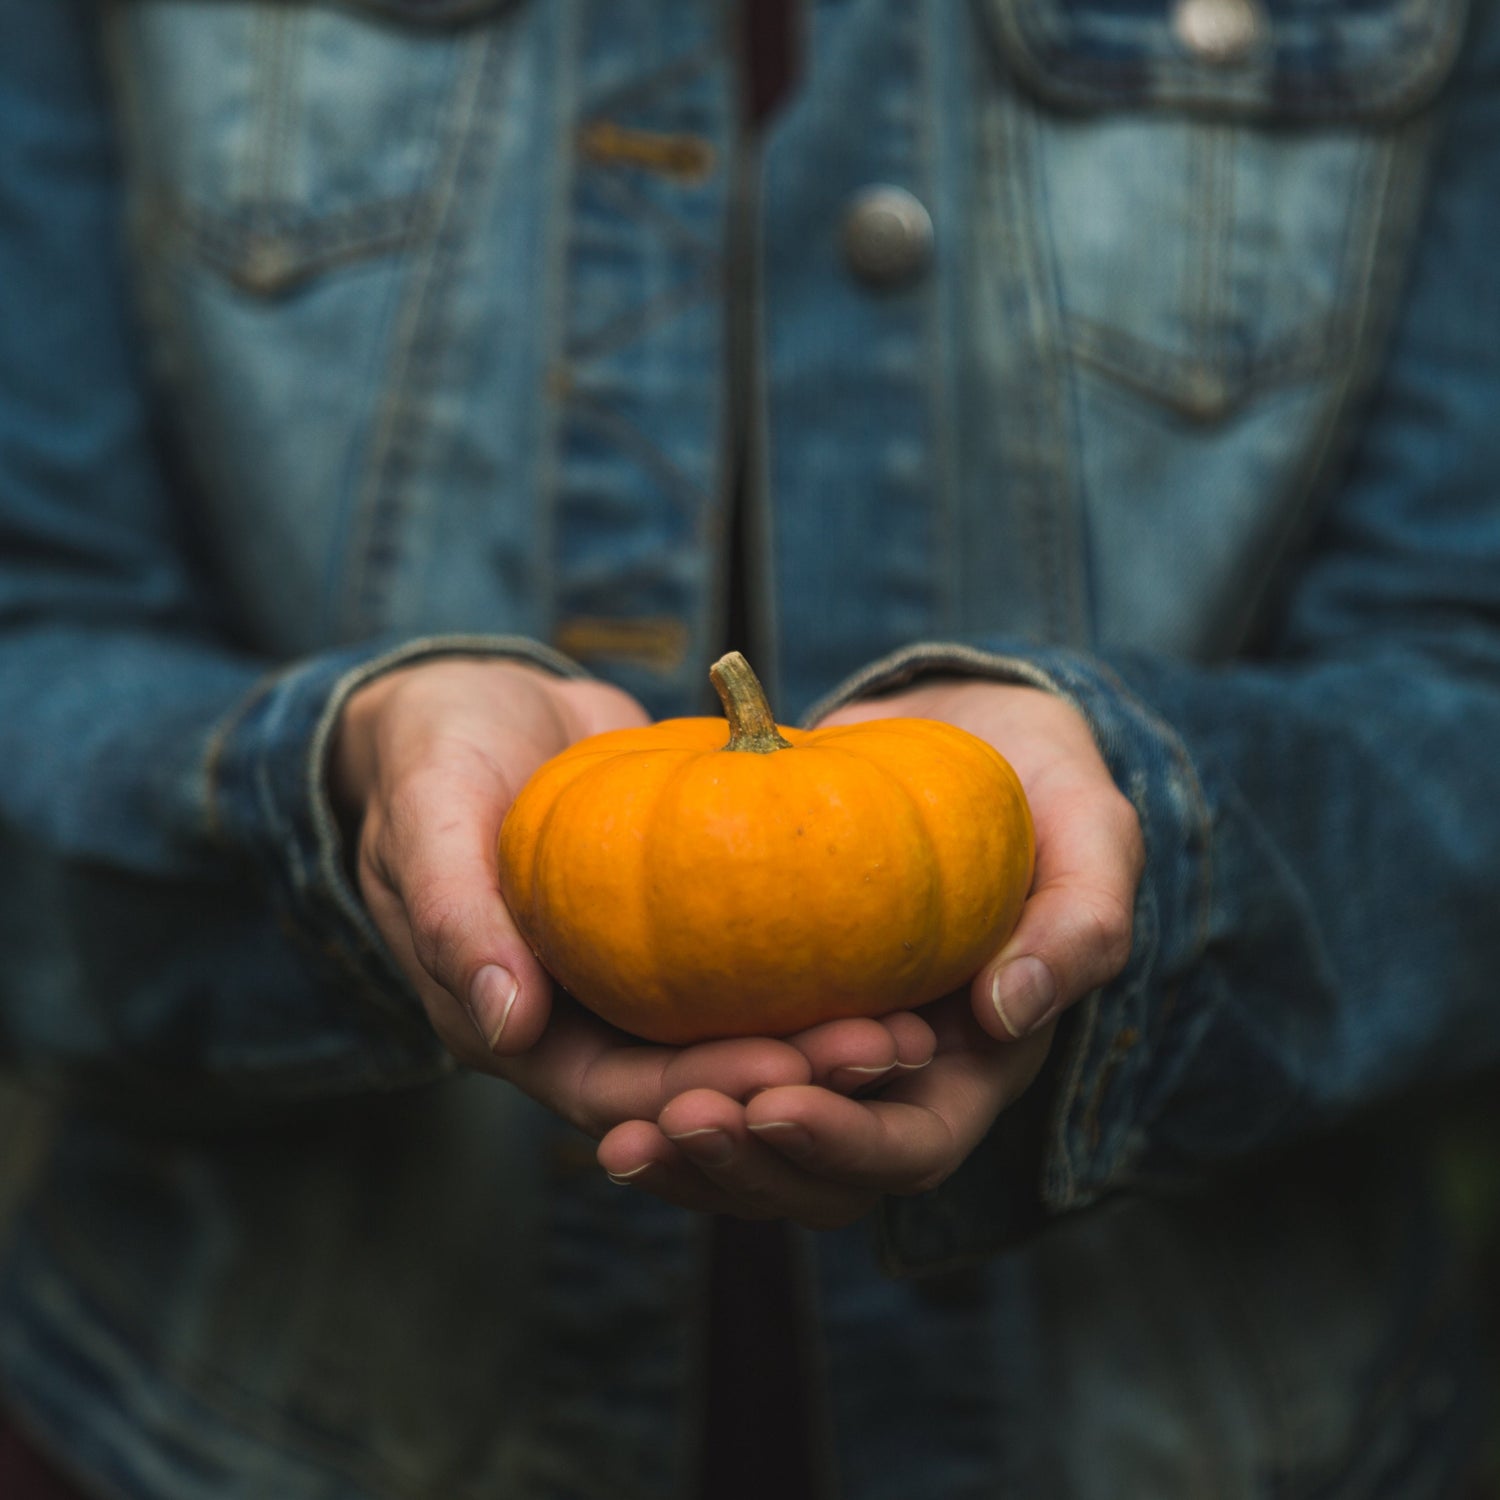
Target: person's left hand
pixel 823 1159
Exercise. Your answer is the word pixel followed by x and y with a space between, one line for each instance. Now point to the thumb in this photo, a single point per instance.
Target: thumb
pixel 1076 928
pixel 433 889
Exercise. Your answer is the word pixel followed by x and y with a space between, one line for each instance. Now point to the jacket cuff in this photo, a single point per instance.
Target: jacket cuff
pixel 269 800
pixel 1116 1049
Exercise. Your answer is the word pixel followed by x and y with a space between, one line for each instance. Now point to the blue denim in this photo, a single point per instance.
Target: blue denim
pixel 334 336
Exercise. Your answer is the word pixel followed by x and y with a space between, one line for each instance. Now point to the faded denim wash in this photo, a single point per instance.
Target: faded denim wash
pixel 1194 417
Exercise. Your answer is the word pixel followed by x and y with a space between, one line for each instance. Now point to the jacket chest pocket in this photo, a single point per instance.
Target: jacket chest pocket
pixel 1220 182
pixel 275 141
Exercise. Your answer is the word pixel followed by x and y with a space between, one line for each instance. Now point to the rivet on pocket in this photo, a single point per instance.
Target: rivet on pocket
pixel 267 266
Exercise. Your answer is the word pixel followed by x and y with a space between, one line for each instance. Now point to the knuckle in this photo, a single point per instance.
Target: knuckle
pixel 438 927
pixel 1109 931
pixel 1125 823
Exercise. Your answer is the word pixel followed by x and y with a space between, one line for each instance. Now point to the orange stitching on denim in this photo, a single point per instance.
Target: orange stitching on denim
pixel 657 642
pixel 688 158
pixel 1125 1039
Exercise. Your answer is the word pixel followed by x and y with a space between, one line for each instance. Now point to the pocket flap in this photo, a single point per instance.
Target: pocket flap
pixel 1282 60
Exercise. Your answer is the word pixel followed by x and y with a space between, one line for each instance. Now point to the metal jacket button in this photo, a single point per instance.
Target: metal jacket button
pixel 1219 32
pixel 887 236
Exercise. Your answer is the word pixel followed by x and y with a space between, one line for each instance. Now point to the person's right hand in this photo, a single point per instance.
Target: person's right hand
pixel 425 762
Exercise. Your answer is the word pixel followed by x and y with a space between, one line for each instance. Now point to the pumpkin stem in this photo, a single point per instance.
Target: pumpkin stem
pixel 751 726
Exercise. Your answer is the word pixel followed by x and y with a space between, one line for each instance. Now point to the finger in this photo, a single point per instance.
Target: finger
pixel 637 1082
pixel 638 1155
pixel 428 870
pixel 1076 928
pixel 914 1135
pixel 459 1033
pixel 853 1055
pixel 597 1078
pixel 710 1132
pixel 593 707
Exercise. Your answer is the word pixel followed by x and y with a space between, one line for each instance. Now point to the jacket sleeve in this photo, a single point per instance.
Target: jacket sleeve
pixel 174 915
pixel 1317 933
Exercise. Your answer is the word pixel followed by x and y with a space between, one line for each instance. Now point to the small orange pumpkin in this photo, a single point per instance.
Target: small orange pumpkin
pixel 685 888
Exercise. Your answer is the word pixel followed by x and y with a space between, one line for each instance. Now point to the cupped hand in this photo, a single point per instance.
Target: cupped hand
pixel 799 1151
pixel 1075 929
pixel 821 1158
pixel 425 761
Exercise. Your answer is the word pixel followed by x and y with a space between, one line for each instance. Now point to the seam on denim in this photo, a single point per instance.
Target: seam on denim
pixel 1023 35
pixel 657 643
pixel 1125 1040
pixel 427 340
pixel 1362 226
pixel 629 196
pixel 678 156
pixel 632 436
pixel 1047 492
pixel 712 532
pixel 626 327
pixel 1216 309
pixel 1357 253
pixel 939 416
pixel 253 158
pixel 906 664
pixel 211 765
pixel 583 371
pixel 642 89
pixel 1201 825
pixel 1311 351
pixel 753 391
pixel 283 99
pixel 1165 376
pixel 303 247
pixel 949 69
pixel 1200 233
pixel 552 416
pixel 1060 1188
pixel 992 166
pixel 277 821
pixel 1035 512
pixel 380 505
pixel 1386 211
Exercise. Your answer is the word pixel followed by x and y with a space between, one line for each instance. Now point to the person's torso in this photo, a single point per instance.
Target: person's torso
pixel 1060 311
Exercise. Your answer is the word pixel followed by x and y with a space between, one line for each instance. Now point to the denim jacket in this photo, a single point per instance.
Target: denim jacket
pixel 1161 372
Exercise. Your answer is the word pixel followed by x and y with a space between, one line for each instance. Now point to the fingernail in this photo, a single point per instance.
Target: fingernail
pixel 491 996
pixel 1024 995
pixel 784 1132
pixel 624 1179
pixel 860 1081
pixel 712 1147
